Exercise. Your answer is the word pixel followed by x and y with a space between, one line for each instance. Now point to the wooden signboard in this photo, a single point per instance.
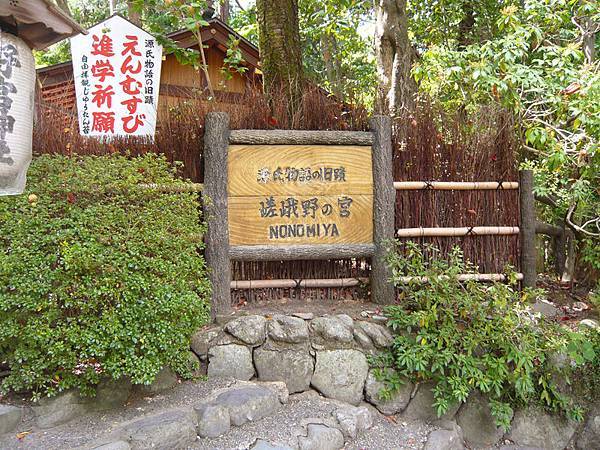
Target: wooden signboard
pixel 300 194
pixel 274 195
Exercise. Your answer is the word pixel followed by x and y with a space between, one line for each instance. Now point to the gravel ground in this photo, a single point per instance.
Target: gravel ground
pixel 279 428
pixel 282 428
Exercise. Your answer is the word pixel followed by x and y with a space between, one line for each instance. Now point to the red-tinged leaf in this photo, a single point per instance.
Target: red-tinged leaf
pixel 273 121
pixel 71 197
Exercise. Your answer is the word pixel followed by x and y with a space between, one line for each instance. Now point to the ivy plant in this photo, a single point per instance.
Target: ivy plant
pixel 469 336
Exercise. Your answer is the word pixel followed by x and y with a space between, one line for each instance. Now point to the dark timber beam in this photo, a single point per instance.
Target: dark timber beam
pixel 384 199
pixel 300 137
pixel 290 252
pixel 216 143
pixel 527 227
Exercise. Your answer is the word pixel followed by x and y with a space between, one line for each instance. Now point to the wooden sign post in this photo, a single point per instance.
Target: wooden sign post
pixel 280 195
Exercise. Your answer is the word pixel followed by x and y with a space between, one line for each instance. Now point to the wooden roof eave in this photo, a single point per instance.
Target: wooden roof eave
pixel 40 23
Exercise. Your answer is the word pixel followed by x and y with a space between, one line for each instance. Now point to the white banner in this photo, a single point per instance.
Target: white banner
pixel 116 68
pixel 17 87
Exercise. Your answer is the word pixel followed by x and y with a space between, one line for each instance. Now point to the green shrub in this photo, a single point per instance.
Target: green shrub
pixel 98 277
pixel 473 336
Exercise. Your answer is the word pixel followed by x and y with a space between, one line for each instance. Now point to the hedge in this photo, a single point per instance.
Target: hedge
pixel 99 277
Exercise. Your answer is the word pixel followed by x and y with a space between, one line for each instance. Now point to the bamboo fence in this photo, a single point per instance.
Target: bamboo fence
pixel 470 162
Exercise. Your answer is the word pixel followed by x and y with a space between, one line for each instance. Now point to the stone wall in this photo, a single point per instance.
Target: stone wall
pixel 326 353
pixel 330 354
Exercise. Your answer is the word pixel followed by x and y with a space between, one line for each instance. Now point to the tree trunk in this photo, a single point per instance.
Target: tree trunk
pixel 589 40
pixel 568 275
pixel 465 27
pixel 64 5
pixel 133 13
pixel 225 11
pixel 332 64
pixel 397 89
pixel 280 51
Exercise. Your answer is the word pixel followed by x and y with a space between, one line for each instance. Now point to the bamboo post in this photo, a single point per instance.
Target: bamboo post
pixel 216 143
pixel 384 199
pixel 527 228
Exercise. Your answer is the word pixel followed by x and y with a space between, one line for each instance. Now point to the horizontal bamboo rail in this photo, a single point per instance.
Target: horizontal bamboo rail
pixel 351 282
pixel 455 185
pixel 398 185
pixel 456 232
pixel 465 277
pixel 289 284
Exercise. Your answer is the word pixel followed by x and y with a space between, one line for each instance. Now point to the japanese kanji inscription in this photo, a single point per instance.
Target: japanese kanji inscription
pixel 300 194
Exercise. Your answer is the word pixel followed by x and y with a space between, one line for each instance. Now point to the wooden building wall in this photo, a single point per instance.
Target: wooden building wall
pixel 177 82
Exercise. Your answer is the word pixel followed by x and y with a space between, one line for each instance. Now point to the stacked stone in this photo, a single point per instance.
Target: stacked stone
pixel 327 353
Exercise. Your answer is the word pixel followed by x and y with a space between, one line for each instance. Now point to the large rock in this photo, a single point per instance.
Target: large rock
pixel 590 436
pixel 279 388
pixel 202 340
pixel 545 308
pixel 371 335
pixel 321 437
pixel 287 329
pixel 332 331
pixel 421 406
pixel 353 420
pixel 10 418
pixel 213 420
pixel 395 404
pixel 248 329
pixel 444 440
pixel 535 427
pixel 589 323
pixel 54 411
pixel 477 423
pixel 248 403
pixel 341 374
pixel 111 394
pixel 230 360
pixel 294 367
pixel 165 380
pixel 171 429
pixel 261 444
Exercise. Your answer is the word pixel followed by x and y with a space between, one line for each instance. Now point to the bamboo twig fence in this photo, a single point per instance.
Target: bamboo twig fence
pixel 324 252
pixel 221 256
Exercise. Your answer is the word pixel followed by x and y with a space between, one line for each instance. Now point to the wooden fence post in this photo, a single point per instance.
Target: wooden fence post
pixel 216 144
pixel 527 228
pixel 384 200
